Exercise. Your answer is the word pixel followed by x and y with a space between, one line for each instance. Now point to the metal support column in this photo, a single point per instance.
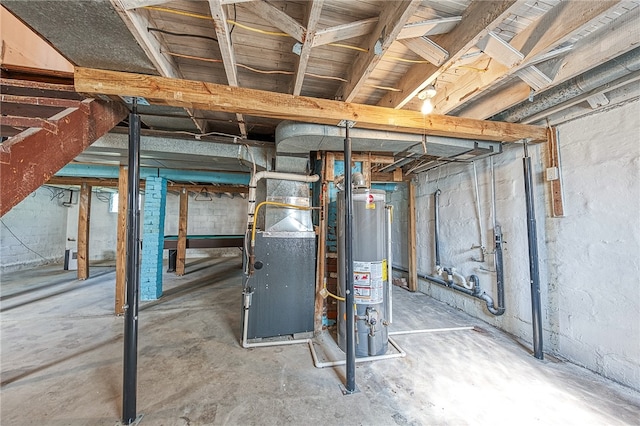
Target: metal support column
pixel 534 274
pixel 350 386
pixel 130 363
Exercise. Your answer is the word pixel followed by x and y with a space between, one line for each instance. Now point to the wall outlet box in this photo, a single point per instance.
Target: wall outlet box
pixel 553 173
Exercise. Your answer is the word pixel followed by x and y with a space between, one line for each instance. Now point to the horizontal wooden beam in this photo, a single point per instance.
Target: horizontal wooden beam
pixel 30 158
pixel 216 97
pixel 113 183
pixel 27 122
pixel 39 101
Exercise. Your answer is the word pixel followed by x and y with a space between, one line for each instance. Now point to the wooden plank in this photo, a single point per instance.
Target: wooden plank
pixel 181 254
pixel 553 155
pixel 322 247
pixel 314 9
pixel 215 97
pixel 329 164
pixel 29 122
pixel 226 51
pixel 614 39
pixel 392 19
pixel 427 49
pixel 279 19
pixel 112 183
pixel 39 101
pixel 30 158
pixel 411 238
pixel 84 220
pixel 477 20
pixel 344 32
pixel 552 29
pixel 121 244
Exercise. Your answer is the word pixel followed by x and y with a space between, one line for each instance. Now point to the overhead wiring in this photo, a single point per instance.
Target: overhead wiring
pixel 158 30
pixel 22 243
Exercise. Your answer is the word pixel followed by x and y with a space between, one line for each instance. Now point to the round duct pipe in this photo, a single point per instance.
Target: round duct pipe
pixel 603 74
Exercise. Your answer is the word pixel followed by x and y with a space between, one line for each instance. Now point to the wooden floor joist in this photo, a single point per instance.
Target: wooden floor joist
pixel 216 97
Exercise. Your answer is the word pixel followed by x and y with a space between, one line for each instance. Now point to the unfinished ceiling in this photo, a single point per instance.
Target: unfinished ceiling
pixel 528 61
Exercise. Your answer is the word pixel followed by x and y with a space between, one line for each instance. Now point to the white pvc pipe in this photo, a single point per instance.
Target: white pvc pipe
pixel 389 268
pixel 401 354
pixel 429 330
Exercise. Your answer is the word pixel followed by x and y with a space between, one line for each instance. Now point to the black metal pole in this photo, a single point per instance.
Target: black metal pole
pixel 436 224
pixel 536 317
pixel 348 258
pixel 130 363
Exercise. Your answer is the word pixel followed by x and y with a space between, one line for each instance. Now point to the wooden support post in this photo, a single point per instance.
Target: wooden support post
pixel 84 220
pixel 557 206
pixel 322 246
pixel 121 259
pixel 411 228
pixel 181 254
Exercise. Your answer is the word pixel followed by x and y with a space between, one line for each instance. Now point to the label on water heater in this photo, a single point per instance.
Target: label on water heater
pixel 368 283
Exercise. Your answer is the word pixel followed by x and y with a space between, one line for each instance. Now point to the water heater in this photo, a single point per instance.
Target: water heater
pixel 370 272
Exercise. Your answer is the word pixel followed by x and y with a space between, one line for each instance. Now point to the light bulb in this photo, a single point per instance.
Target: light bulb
pixel 427 107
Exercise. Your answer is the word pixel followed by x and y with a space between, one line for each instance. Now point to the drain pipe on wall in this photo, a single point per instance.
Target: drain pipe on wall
pixel 534 273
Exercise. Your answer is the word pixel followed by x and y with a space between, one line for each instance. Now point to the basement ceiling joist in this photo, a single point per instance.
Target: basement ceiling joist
pixel 215 97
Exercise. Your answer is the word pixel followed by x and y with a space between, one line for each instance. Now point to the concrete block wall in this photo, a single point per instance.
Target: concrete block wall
pixel 589 259
pixel 37 222
pixel 153 238
pixel 103 231
pixel 219 214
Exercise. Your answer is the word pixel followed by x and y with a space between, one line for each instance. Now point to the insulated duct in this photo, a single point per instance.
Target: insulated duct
pixel 599 76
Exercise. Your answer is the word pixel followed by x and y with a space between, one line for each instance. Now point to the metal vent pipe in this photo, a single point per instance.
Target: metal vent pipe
pixel 599 76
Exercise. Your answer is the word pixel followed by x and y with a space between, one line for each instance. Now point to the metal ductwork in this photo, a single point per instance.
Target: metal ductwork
pixel 618 68
pixel 298 139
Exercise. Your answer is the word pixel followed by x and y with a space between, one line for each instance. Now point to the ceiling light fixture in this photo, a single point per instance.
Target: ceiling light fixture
pixel 426 95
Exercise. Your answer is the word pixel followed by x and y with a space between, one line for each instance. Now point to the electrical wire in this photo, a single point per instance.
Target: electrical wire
pixel 158 30
pixel 23 244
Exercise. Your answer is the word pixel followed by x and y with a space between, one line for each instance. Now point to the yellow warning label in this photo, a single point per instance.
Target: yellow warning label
pixel 384 269
pixel 370 206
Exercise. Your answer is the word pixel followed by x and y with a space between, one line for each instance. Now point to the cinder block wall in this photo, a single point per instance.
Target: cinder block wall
pixel 39 222
pixel 216 215
pixel 589 259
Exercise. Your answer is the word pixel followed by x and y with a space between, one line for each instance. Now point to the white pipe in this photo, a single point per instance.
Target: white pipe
pixel 429 330
pixel 272 175
pixel 389 267
pixel 479 213
pixel 463 281
pixel 401 354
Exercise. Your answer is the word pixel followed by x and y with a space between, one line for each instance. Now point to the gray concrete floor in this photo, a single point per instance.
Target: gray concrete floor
pixel 61 364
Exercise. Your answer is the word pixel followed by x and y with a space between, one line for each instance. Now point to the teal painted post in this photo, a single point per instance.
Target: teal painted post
pixel 155 200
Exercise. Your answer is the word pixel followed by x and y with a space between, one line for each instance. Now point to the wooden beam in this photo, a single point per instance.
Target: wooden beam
pixel 215 97
pixel 226 51
pixel 557 204
pixel 344 32
pixel 29 122
pixel 478 19
pixel 314 9
pixel 614 39
pixel 552 29
pixel 392 19
pixel 121 244
pixel 426 49
pixel 411 238
pixel 428 27
pixel 322 248
pixel 39 101
pixel 181 252
pixel 84 220
pixel 30 158
pixel 138 23
pixel 279 19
